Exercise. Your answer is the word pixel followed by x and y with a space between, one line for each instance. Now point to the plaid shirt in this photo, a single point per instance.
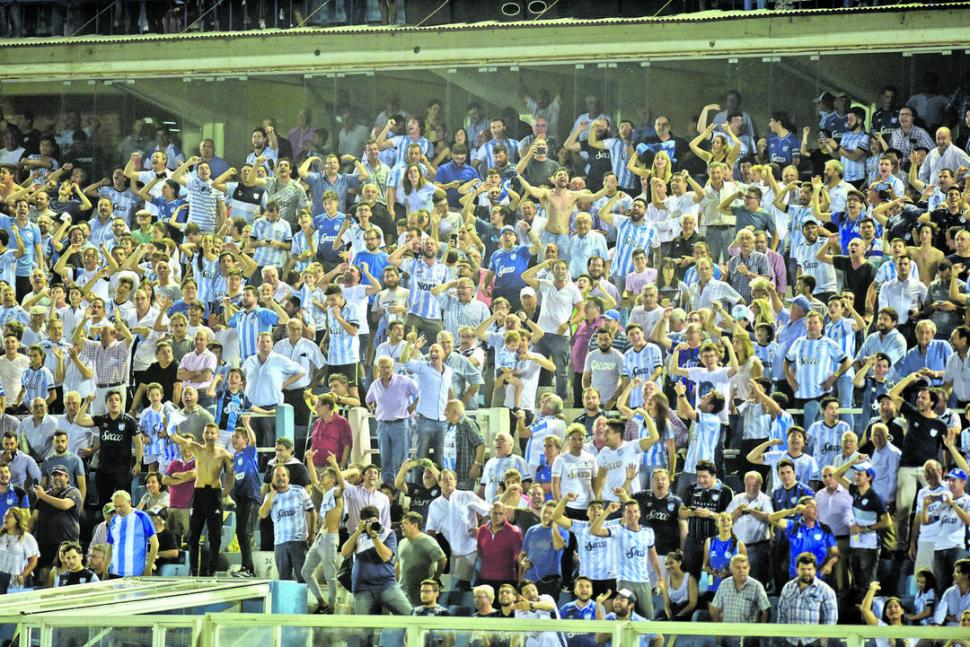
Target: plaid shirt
pixel 755 262
pixel 111 363
pixel 814 605
pixel 745 605
pixel 467 438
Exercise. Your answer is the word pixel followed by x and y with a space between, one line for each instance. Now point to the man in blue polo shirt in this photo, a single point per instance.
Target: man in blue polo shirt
pixel 455 173
pixel 245 492
pixel 506 266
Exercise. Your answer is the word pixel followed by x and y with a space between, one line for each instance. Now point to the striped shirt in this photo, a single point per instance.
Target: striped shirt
pixel 206 278
pixel 111 363
pixel 630 237
pixel 640 363
pixel 300 244
pixel 619 154
pixel 458 314
pixel 541 428
pixel 150 423
pixel 486 152
pixel 596 554
pixel 656 454
pixel 826 441
pixel 204 204
pixel 36 382
pixel 403 142
pixel 852 141
pixel 249 324
pixel 265 229
pixel 128 536
pixel 122 201
pixel 704 437
pixel 631 552
pixel 756 421
pixel 814 361
pixel 423 278
pixel 344 347
pixel 843 334
pixel 823 273
pixel 816 604
pixel 287 513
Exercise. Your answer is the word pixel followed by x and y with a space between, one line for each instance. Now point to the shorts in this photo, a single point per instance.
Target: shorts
pixel 350 371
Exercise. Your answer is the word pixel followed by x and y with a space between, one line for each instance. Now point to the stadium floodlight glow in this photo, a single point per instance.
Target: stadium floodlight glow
pixel 511 8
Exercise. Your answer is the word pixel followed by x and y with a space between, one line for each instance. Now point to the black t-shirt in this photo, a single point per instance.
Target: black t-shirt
pixel 55 525
pixel 715 499
pixel 166 541
pixel 856 280
pixel 924 439
pixel 115 435
pixel 298 474
pixel 675 147
pixel 70 578
pixel 600 163
pixel 869 502
pixel 943 220
pixel 661 516
pixel 421 497
pixel 167 377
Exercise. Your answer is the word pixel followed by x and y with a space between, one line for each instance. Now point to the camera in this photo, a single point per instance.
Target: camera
pixel 375 527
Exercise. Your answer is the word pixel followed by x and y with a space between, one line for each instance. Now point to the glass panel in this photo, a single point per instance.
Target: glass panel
pixel 178 637
pixel 101 636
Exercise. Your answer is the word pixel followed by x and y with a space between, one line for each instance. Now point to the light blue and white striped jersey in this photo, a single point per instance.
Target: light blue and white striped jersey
pixel 249 325
pixel 656 454
pixel 402 142
pixel 755 421
pixel 486 152
pixel 631 236
pixel 815 360
pixel 289 520
pixel 307 297
pixel 887 271
pixel 768 355
pixel 494 472
pixel 36 383
pixel 640 363
pixel 825 441
pixel 797 213
pixel 854 170
pixel 631 552
pixel 422 278
pixel 300 245
pixel 705 433
pixel 8 266
pixel 542 427
pixel 150 423
pixel 128 536
pixel 343 347
pixel 843 334
pixel 597 559
pixel 778 429
pixel 505 358
pixel 823 273
pixel 206 278
pixel 620 156
pixel 280 231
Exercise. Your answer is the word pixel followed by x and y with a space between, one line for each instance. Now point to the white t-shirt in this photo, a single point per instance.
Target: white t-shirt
pixel 614 461
pixel 716 380
pixel 575 475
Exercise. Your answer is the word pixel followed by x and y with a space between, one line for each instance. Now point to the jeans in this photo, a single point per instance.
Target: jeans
pixel 719 239
pixel 323 551
pixel 393 442
pixel 246 516
pixel 863 563
pixel 430 435
pixel 556 348
pixel 844 388
pixel 563 241
pixel 206 511
pixel 370 602
pixel 290 556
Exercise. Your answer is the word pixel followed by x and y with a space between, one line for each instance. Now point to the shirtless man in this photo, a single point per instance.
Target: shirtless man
pixel 211 464
pixel 558 203
pixel 327 543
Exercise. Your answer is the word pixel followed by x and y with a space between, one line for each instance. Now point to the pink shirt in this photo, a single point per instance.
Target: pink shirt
pixel 193 361
pixel 180 496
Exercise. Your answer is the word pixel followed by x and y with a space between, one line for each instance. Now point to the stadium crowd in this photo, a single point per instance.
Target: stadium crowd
pixel 766 336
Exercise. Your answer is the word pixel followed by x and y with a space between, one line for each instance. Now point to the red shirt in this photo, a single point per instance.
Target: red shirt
pixel 499 551
pixel 330 437
pixel 180 496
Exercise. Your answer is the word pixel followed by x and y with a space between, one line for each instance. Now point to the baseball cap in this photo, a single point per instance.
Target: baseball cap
pixel 865 467
pixel 612 314
pixel 802 302
pixel 158 511
pixel 883 396
pixel 741 311
pixel 810 221
pixel 38 310
pixel 628 594
pixel 527 290
pixel 59 469
pixel 507 228
pixel 956 473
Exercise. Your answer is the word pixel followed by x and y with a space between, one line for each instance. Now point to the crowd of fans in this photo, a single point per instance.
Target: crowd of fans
pixel 766 337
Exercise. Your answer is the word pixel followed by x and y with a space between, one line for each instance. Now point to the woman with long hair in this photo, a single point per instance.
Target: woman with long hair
pixel 680 592
pixel 459 137
pixel 722 150
pixel 718 551
pixel 415 191
pixel 671 291
pixel 893 615
pixel 18 551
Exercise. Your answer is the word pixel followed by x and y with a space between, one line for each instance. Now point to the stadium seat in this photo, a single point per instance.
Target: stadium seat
pixel 180 569
pixel 228 530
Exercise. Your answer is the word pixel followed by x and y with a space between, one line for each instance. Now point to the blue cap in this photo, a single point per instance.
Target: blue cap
pixel 957 473
pixel 802 302
pixel 507 228
pixel 612 314
pixel 865 467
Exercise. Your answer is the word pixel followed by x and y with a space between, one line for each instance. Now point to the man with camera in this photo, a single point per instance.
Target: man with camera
pixel 373 583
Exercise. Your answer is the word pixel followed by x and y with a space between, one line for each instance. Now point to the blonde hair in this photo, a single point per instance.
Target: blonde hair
pixel 667 169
